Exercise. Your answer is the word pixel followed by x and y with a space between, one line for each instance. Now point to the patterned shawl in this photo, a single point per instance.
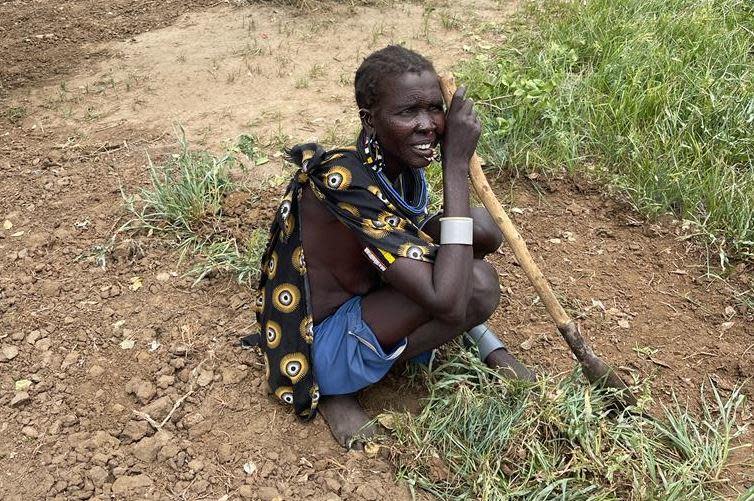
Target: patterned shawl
pixel 351 184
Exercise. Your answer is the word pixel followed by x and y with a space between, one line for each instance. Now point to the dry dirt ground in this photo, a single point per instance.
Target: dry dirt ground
pixel 88 91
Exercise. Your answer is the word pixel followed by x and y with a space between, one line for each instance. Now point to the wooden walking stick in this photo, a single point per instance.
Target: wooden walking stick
pixel 595 369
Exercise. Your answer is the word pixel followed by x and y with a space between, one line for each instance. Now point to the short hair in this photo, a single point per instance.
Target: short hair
pixel 393 60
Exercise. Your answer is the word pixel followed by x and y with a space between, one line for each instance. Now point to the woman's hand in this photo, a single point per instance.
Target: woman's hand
pixel 462 130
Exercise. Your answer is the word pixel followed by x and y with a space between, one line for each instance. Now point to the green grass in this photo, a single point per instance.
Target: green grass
pixel 653 97
pixel 482 437
pixel 185 205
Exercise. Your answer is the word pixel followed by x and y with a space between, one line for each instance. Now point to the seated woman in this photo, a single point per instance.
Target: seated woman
pixel 357 275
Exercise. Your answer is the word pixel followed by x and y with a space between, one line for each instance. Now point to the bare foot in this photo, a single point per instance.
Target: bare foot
pixel 508 366
pixel 347 420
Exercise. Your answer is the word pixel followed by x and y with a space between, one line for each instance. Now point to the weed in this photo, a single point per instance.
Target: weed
pixel 654 97
pixel 184 203
pixel 301 83
pixel 317 71
pixel 480 436
pixel 450 21
pixel 15 114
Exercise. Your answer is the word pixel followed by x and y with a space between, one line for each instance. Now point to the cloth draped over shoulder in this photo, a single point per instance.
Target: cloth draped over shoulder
pixel 351 184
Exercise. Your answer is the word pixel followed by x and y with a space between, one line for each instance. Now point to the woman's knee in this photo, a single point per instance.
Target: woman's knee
pixel 487 236
pixel 486 295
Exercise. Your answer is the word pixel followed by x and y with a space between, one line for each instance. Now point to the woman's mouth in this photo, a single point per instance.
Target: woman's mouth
pixel 425 150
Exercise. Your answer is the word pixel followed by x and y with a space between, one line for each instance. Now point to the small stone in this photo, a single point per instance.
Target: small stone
pixel 169 451
pixel 225 453
pixel 200 429
pixel 332 484
pixel 163 276
pixel 69 360
pixel 367 492
pixel 196 465
pixel 146 449
pixel 69 420
pixel 34 336
pixel 268 493
pixel 98 475
pixel 22 385
pixel 8 352
pixel 43 344
pixel 96 371
pixel 232 375
pixel 145 391
pixel 19 398
pixel 165 381
pixel 135 430
pixel 130 485
pixel 30 431
pixel 246 491
pixel 49 288
pixel 205 377
pixel 179 350
pixel 158 409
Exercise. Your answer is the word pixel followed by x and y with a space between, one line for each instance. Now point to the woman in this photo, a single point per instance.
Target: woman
pixel 357 275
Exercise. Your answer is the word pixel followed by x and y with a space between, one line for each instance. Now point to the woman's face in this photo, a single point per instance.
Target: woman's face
pixel 408 120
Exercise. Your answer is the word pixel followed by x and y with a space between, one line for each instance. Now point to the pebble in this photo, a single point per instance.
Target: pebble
pixel 69 360
pixel 124 486
pixel 232 375
pixel 196 465
pixel 165 381
pixel 158 409
pixel 145 391
pixel 246 491
pixel 8 352
pixel 30 431
pixel 70 420
pixel 225 453
pixel 268 493
pixel 179 349
pixel 135 430
pixel 98 475
pixel 49 288
pixel 96 371
pixel 43 344
pixel 169 451
pixel 19 398
pixel 205 377
pixel 34 336
pixel 163 276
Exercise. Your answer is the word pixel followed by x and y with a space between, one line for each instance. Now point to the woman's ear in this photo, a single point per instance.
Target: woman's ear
pixel 367 121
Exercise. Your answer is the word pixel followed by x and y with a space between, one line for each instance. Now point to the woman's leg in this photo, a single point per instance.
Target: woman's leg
pixel 387 310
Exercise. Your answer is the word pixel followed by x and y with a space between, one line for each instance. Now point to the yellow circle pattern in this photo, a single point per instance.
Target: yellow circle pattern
pixel 337 178
pixel 295 366
pixel 286 297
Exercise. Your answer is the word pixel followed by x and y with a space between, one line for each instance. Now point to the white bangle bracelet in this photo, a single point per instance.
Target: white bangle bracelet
pixel 456 230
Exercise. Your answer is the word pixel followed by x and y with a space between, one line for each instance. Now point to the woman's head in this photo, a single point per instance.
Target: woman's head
pixel 400 104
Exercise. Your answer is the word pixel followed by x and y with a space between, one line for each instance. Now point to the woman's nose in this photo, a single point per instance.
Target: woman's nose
pixel 425 122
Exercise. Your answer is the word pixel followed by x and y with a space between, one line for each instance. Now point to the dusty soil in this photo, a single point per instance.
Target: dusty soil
pixel 87 350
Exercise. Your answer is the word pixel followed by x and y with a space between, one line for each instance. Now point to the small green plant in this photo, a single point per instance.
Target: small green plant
pixel 317 71
pixel 185 204
pixel 481 436
pixel 450 21
pixel 15 114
